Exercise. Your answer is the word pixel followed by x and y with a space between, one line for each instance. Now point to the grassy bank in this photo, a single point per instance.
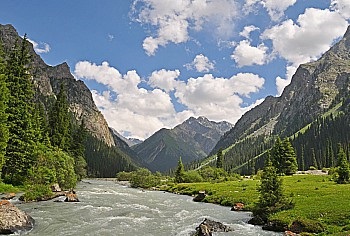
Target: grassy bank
pixel 319 201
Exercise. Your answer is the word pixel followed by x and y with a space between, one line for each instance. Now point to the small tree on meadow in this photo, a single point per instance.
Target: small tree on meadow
pixel 343 167
pixel 180 172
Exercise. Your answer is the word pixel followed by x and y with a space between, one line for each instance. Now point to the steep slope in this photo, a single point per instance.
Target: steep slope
pixel 102 156
pixel 316 88
pixel 191 140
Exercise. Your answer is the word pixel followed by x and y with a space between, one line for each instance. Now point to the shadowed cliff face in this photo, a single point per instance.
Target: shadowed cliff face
pixel 47 80
pixel 314 90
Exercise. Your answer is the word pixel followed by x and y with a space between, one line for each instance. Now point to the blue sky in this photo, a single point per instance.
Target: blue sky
pixel 154 63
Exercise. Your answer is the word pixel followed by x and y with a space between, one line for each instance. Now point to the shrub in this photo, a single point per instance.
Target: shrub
pixel 37 192
pixel 192 176
pixel 124 176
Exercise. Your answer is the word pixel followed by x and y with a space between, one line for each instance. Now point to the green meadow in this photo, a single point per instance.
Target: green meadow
pixel 320 203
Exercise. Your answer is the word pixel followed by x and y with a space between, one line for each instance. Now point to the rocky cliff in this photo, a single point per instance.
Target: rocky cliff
pixel 47 80
pixel 191 140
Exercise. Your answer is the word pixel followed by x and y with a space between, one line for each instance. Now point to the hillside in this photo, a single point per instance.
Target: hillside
pixel 191 140
pixel 318 93
pixel 47 82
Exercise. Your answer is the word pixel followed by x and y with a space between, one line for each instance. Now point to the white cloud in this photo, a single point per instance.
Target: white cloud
pixel 247 55
pixel 164 79
pixel 40 47
pixel 306 40
pixel 140 112
pixel 274 8
pixel 342 6
pixel 174 19
pixel 247 30
pixel 201 63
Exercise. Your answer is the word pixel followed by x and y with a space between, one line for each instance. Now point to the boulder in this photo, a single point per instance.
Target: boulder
pixel 71 196
pixel 200 197
pixel 13 220
pixel 55 188
pixel 238 206
pixel 207 227
pixel 9 196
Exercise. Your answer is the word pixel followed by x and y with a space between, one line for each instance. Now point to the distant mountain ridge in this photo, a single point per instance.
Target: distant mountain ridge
pixel 191 140
pixel 317 89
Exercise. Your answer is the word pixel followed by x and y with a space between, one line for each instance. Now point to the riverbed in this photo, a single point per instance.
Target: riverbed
pixel 108 208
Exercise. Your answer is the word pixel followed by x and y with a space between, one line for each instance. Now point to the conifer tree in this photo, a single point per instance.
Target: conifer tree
pixel 180 172
pixel 219 160
pixel 77 150
pixel 19 152
pixel 4 132
pixel 343 167
pixel 277 156
pixel 289 161
pixel 60 121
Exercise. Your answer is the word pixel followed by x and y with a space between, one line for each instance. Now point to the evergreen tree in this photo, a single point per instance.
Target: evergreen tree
pixel 60 121
pixel 180 172
pixel 219 160
pixel 289 161
pixel 271 196
pixel 343 167
pixel 4 132
pixel 77 150
pixel 277 156
pixel 22 136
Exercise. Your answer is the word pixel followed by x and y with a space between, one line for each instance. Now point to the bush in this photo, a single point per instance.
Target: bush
pixel 192 176
pixel 37 192
pixel 143 178
pixel 124 176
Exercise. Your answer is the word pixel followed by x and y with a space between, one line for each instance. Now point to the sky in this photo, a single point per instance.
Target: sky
pixel 152 64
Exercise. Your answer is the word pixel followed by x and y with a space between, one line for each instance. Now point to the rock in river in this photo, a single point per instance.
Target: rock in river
pixel 207 227
pixel 13 220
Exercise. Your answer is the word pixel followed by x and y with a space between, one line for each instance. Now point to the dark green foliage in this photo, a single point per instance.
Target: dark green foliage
pixel 143 178
pixel 343 167
pixel 180 171
pixel 4 132
pixel 77 150
pixel 219 159
pixel 22 134
pixel 105 161
pixel 60 121
pixel 283 157
pixel 271 196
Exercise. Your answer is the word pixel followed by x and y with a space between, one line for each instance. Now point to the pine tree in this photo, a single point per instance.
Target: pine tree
pixel 343 167
pixel 4 132
pixel 277 155
pixel 20 148
pixel 180 172
pixel 219 160
pixel 289 161
pixel 77 150
pixel 60 121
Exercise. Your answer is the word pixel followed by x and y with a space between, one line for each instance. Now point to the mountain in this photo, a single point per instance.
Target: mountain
pixel 47 81
pixel 191 140
pixel 129 141
pixel 318 93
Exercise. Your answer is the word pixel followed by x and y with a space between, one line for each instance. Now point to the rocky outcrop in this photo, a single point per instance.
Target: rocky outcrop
pixel 200 196
pixel 13 220
pixel 208 227
pixel 8 196
pixel 71 197
pixel 47 80
pixel 238 206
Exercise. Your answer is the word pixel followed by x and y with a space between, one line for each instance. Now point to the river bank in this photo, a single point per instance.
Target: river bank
pixel 321 205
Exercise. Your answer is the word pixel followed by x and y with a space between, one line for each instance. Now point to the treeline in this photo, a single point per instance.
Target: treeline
pixel 105 161
pixel 38 146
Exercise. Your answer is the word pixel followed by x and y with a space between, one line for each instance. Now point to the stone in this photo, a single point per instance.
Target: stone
pixel 13 220
pixel 200 196
pixel 55 188
pixel 71 197
pixel 207 227
pixel 238 206
pixel 9 196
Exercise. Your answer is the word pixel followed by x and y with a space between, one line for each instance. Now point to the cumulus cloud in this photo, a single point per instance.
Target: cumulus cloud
pixel 174 19
pixel 247 55
pixel 41 47
pixel 201 63
pixel 131 106
pixel 274 8
pixel 342 6
pixel 306 39
pixel 247 30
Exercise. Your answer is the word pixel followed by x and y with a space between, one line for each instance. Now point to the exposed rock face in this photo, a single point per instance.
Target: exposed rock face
pixel 313 90
pixel 47 80
pixel 13 220
pixel 207 227
pixel 191 140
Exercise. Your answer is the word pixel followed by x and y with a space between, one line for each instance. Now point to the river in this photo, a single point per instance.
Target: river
pixel 107 208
